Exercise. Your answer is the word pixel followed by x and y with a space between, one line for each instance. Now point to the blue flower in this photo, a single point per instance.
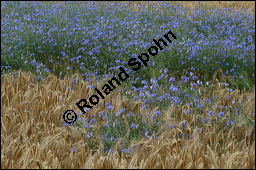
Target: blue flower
pixel 160 97
pixel 92 120
pixel 187 95
pixel 157 112
pixel 87 109
pixel 133 125
pixel 207 100
pixel 194 77
pixel 88 125
pixel 205 120
pixel 230 123
pixel 183 124
pixel 186 112
pixel 130 114
pixel 210 113
pixel 74 149
pixel 144 82
pixel 220 114
pixel 172 79
pixel 199 105
pixel 89 134
pixel 173 89
pixel 171 126
pixel 66 124
pixel 124 150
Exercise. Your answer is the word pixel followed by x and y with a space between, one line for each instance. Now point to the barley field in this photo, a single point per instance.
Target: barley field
pixel 193 106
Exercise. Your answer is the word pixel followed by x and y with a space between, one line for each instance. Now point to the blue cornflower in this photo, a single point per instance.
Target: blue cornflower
pixel 102 114
pixel 143 82
pixel 183 124
pixel 152 95
pixel 205 120
pixel 110 107
pixel 157 112
pixel 210 113
pixel 171 126
pixel 194 85
pixel 207 100
pixel 160 98
pixel 173 89
pixel 73 149
pixel 194 77
pixel 130 114
pixel 92 120
pixel 172 79
pixel 123 150
pixel 220 114
pixel 66 124
pixel 89 134
pixel 199 105
pixel 199 82
pixel 187 95
pixel 111 151
pixel 192 68
pixel 196 100
pixel 87 109
pixel 122 110
pixel 230 123
pixel 88 125
pixel 143 107
pixel 74 81
pixel 186 112
pixel 133 125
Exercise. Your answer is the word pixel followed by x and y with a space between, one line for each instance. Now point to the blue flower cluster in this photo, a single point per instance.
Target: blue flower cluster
pixel 107 87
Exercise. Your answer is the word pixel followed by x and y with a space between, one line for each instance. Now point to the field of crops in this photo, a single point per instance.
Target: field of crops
pixel 192 106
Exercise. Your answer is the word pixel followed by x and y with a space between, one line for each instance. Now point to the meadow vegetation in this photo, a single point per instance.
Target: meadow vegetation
pixel 192 107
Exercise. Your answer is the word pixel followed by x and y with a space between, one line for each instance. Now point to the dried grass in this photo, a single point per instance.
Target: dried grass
pixel 32 135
